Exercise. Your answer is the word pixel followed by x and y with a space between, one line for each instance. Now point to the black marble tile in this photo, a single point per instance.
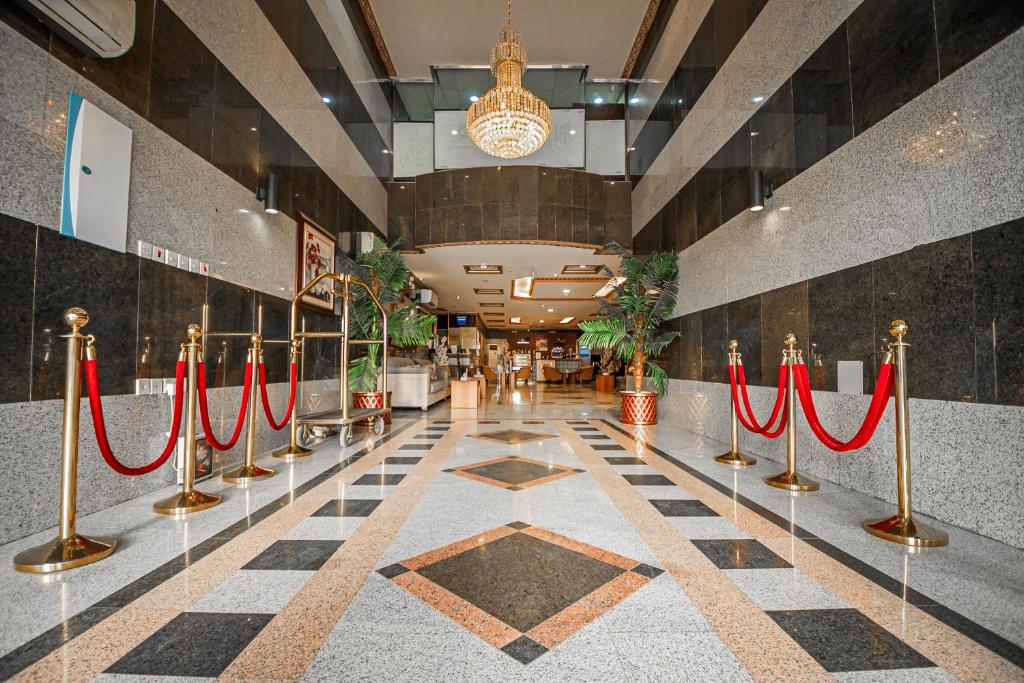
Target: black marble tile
pixel 192 644
pixel 514 471
pixel 105 283
pixel 294 555
pixel 378 480
pixel 892 57
pixel 236 126
pixel 524 649
pixel 28 25
pixel 587 428
pixel 392 570
pixel 822 119
pixel 733 161
pixel 686 216
pixel 707 189
pixel 841 326
pixel 671 359
pixel 594 436
pixel 170 300
pixel 181 83
pixel 625 460
pixel 401 460
pixel 715 337
pixel 519 579
pixel 966 28
pixel 603 447
pixel 930 288
pixel 275 327
pixel 648 480
pixel 347 508
pixel 126 78
pixel 17 279
pixel 846 640
pixel 647 570
pixel 744 323
pixel 772 145
pixel 231 308
pixel 669 227
pixel 783 310
pixel 690 346
pixel 416 447
pixel 740 554
pixel 698 65
pixel 683 508
pixel 997 256
pixel 276 157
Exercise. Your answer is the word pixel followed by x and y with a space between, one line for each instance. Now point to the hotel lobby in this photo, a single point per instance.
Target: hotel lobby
pixel 510 340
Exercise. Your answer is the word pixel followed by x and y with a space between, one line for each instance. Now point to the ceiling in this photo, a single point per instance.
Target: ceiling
pixel 424 33
pixel 442 270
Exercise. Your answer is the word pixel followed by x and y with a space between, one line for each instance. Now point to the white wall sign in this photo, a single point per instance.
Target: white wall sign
pixel 97 170
pixel 564 149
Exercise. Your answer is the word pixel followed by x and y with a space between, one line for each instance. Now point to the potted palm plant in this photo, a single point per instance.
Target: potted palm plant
pixel 629 325
pixel 385 272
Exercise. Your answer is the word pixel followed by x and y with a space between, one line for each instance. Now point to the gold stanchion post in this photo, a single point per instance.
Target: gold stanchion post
pixel 188 499
pixel 902 528
pixel 293 450
pixel 791 480
pixel 733 456
pixel 250 471
pixel 70 549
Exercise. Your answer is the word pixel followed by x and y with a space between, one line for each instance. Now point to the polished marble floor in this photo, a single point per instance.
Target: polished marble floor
pixel 538 539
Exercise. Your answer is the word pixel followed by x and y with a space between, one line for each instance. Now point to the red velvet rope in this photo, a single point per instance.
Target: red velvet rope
pixel 277 426
pixel 883 390
pixel 204 414
pixel 748 420
pixel 92 382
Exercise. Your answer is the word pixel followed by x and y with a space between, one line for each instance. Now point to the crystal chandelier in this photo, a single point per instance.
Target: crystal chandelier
pixel 509 121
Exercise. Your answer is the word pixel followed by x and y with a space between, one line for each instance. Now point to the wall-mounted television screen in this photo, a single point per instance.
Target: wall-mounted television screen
pixel 461 320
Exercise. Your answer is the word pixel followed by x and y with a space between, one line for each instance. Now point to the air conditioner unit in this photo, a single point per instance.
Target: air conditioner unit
pixel 425 296
pixel 100 28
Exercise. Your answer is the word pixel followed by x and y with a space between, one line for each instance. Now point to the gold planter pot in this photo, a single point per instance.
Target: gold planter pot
pixel 639 407
pixel 605 383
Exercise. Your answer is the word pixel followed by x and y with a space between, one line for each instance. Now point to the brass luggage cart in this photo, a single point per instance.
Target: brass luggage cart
pixel 344 417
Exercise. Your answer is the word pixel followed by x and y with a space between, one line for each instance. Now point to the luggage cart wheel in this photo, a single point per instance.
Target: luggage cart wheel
pixel 305 437
pixel 378 426
pixel 345 435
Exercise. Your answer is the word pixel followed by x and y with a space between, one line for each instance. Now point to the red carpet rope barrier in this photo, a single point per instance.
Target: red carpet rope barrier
pixel 883 390
pixel 274 424
pixel 204 411
pixel 93 383
pixel 748 420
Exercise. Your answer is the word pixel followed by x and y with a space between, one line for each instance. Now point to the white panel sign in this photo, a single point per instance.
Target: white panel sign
pixel 414 149
pixel 565 148
pixel 97 169
pixel 606 147
pixel 850 377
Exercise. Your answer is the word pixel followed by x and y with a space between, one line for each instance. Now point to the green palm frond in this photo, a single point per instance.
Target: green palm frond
pixel 658 377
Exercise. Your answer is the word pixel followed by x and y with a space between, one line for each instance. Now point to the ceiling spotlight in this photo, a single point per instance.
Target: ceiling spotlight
pixel 327 100
pixel 567 320
pixel 473 98
pixel 454 132
pixel 757 100
pixel 572 132
pixel 515 320
pixel 634 100
pixel 540 321
pixel 565 291
pixel 598 99
pixel 761 188
pixel 551 310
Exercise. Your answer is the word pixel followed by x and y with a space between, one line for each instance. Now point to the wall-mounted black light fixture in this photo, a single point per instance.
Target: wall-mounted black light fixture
pixel 268 194
pixel 761 188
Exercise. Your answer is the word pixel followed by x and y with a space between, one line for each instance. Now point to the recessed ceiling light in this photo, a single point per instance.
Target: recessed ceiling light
pixel 551 310
pixel 598 99
pixel 634 100
pixel 483 269
pixel 567 320
pixel 540 321
pixel 473 98
pixel 253 129
pixel 454 132
pixel 327 100
pixel 565 291
pixel 572 132
pixel 582 269
pixel 757 100
pixel 516 319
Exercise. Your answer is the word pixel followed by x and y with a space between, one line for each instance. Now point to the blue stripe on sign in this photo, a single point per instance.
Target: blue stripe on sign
pixel 67 227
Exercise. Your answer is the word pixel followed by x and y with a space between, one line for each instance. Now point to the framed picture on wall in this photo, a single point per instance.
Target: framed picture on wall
pixel 315 255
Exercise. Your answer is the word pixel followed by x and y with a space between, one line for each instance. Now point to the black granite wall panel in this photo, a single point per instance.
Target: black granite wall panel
pixel 17 279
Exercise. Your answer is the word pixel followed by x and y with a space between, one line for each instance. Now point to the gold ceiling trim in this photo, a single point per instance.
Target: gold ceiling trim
pixel 378 38
pixel 641 37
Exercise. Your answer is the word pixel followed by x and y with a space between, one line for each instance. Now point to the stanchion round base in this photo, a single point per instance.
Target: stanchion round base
pixel 792 482
pixel 737 459
pixel 63 553
pixel 906 531
pixel 184 503
pixel 247 473
pixel 289 453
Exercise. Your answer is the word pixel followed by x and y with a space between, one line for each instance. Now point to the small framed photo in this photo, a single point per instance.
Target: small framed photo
pixel 315 255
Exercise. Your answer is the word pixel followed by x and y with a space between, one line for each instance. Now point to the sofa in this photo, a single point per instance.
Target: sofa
pixel 416 383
